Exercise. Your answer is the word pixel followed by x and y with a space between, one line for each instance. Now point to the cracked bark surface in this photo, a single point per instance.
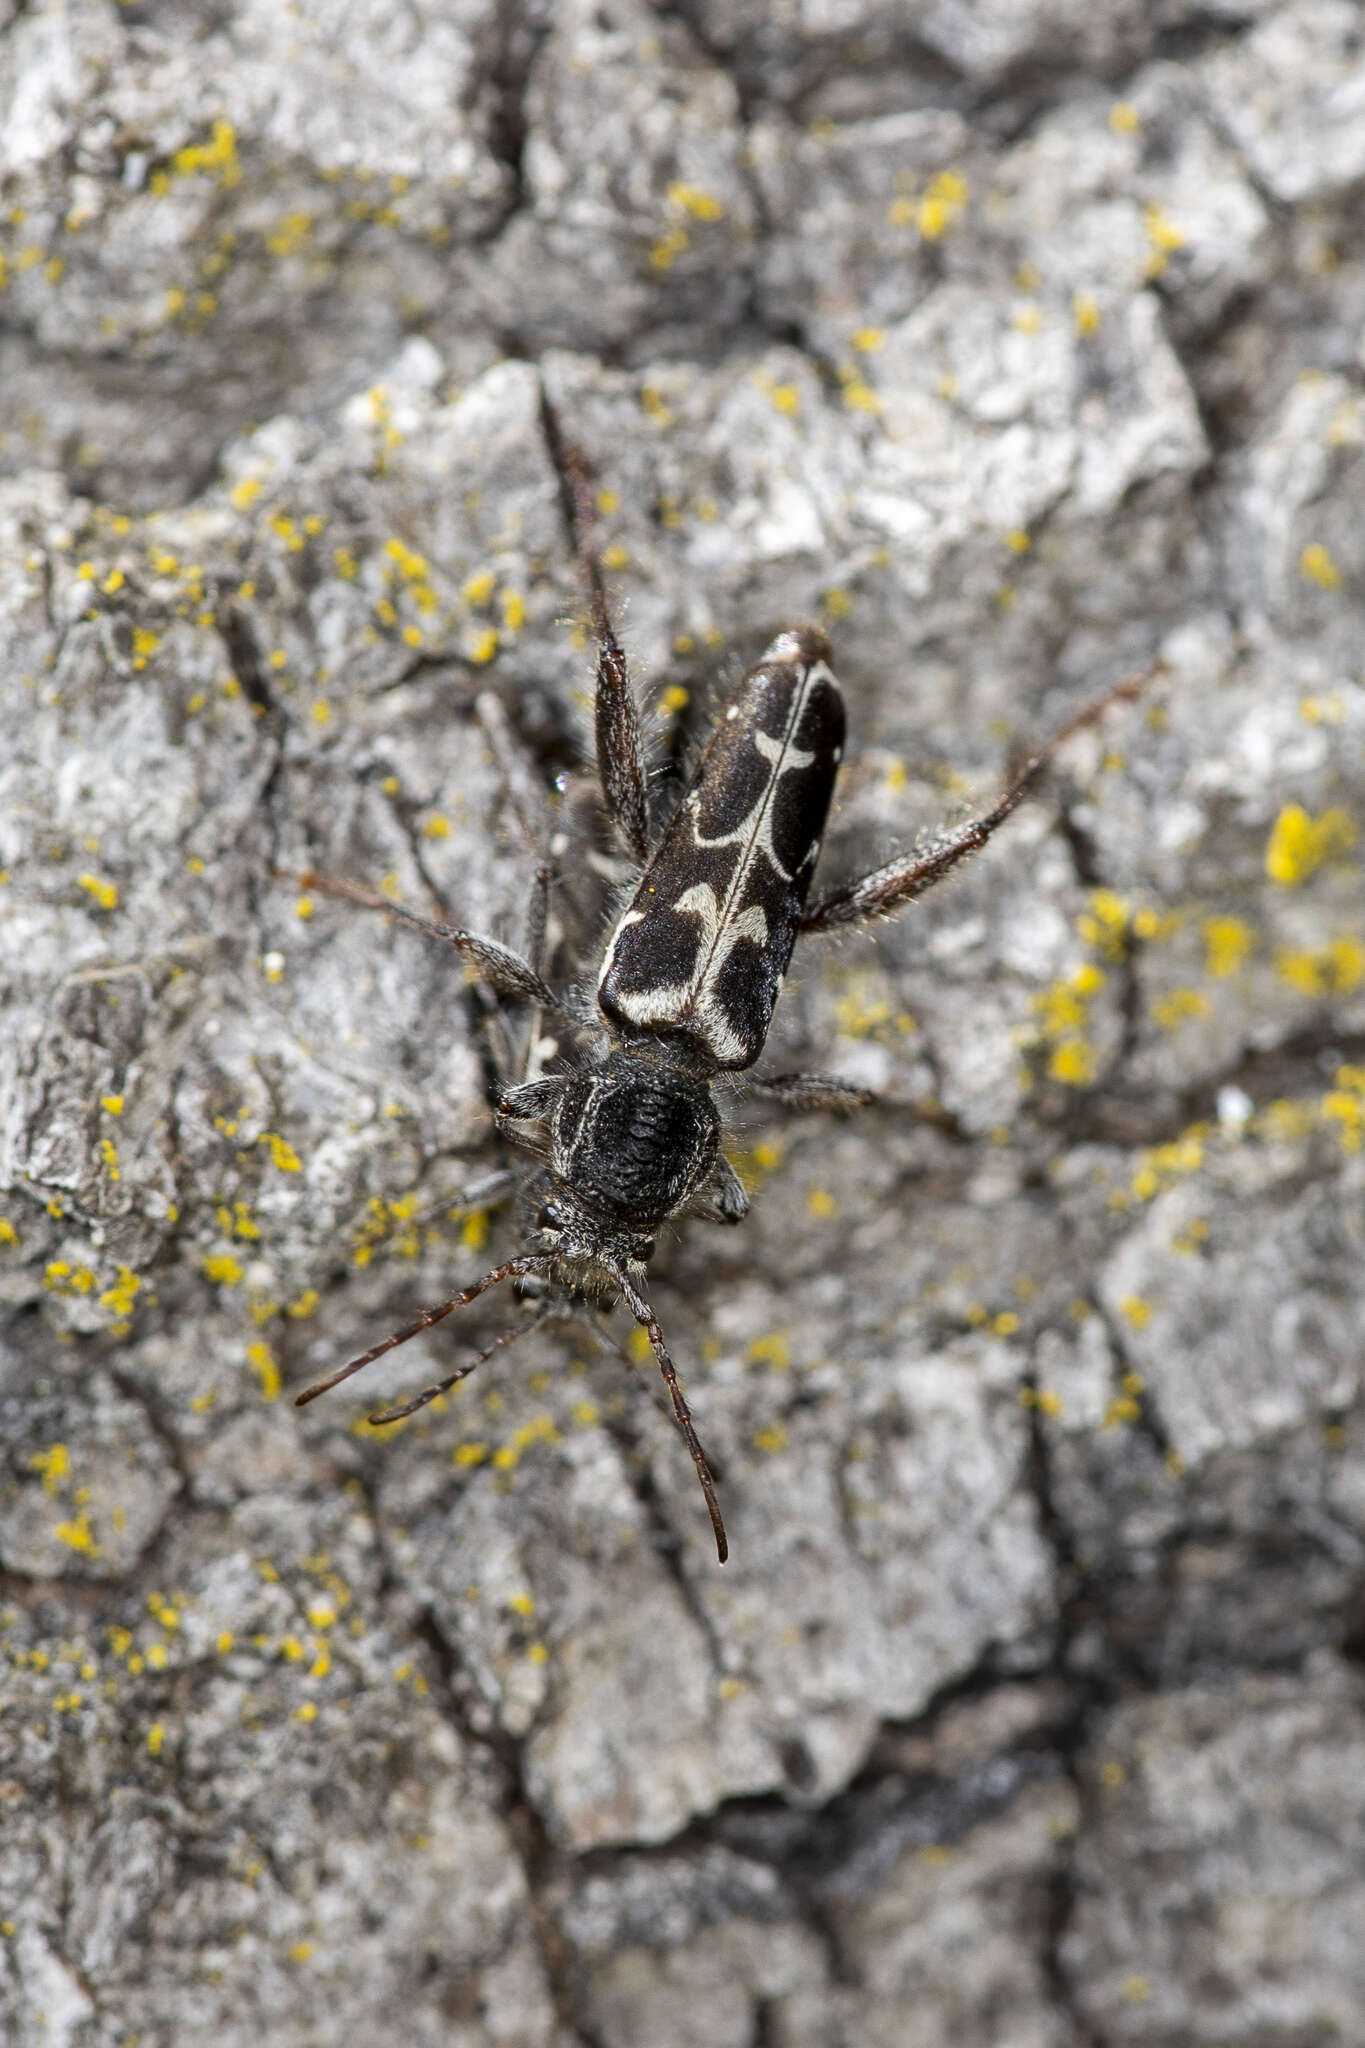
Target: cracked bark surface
pixel 1019 346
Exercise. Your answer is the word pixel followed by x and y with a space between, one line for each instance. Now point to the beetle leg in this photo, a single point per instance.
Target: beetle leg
pixel 888 888
pixel 620 745
pixel 496 965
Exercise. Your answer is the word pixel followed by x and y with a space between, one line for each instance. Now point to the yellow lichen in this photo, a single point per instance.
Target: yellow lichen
pixel 105 893
pixel 857 392
pixel 693 201
pixel 282 1153
pixel 1063 1012
pixel 1122 1409
pixel 474 1231
pixel 940 206
pixel 222 1269
pixel 260 1358
pixel 77 1535
pixel 290 234
pixel 1227 942
pixel 1336 970
pixel 1105 924
pixel 665 251
pixel 639 1346
pixel 54 1464
pixel 1178 1006
pixel 1299 843
pixel 119 1299
pixel 1163 237
pixel 858 1011
pixel 1160 1165
pixel 215 158
pixel 1317 566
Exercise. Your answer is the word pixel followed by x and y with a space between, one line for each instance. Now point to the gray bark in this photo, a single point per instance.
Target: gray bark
pixel 1020 346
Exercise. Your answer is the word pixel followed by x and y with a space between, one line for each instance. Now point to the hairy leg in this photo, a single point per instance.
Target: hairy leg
pixel 620 745
pixel 887 888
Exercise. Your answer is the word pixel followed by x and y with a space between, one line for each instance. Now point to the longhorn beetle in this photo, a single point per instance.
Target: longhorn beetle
pixel 630 1137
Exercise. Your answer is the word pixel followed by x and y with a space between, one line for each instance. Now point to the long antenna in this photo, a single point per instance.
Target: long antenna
pixel 682 1414
pixel 461 1372
pixel 531 1262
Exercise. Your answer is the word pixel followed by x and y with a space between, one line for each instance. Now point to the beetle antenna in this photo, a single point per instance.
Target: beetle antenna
pixel 512 1269
pixel 433 1393
pixel 682 1414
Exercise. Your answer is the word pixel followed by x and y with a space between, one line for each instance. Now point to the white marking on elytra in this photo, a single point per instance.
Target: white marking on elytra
pixel 756 827
pixel 721 928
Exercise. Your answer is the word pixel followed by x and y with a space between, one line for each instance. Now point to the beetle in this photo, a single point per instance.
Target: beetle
pixel 629 1135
